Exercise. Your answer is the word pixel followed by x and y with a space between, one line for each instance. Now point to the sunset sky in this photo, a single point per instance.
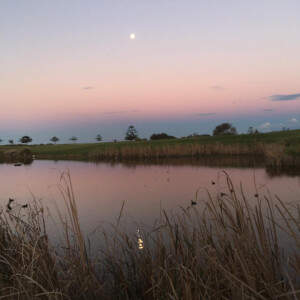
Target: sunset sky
pixel 69 67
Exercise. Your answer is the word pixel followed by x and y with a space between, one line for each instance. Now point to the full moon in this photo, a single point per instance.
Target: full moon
pixel 132 36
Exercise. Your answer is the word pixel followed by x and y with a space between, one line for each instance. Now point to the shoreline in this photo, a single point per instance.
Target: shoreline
pixel 222 161
pixel 277 149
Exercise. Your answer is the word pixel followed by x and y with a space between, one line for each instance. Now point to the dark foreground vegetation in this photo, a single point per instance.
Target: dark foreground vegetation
pixel 220 248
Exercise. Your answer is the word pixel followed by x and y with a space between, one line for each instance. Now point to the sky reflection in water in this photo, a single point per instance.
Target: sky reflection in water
pixel 101 189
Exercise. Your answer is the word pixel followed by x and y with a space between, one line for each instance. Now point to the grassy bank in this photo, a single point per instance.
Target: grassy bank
pixel 221 248
pixel 278 148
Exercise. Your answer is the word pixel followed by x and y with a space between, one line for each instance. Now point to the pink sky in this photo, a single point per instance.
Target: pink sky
pixel 73 62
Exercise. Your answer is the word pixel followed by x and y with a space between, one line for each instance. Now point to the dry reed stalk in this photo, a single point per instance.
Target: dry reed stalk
pixel 274 154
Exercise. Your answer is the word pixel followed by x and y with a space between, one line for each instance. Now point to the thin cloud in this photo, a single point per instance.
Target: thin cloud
pixel 206 114
pixel 266 125
pixel 294 120
pixel 289 97
pixel 269 109
pixel 218 88
pixel 88 88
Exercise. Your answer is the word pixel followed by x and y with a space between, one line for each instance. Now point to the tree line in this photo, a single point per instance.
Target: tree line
pixel 24 140
pixel 132 134
pixel 27 139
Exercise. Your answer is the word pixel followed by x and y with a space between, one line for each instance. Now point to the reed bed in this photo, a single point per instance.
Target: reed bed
pixel 173 151
pixel 221 248
pixel 16 155
pixel 274 154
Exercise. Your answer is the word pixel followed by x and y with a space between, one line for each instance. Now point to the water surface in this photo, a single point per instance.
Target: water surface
pixel 100 189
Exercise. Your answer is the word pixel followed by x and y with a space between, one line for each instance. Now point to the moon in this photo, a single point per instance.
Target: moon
pixel 132 36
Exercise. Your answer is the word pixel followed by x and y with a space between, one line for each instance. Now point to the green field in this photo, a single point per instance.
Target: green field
pixel 289 139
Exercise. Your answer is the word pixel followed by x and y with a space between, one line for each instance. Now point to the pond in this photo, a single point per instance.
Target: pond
pixel 101 188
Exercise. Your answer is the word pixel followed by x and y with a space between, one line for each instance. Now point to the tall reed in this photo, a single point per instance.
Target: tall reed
pixel 274 154
pixel 221 248
pixel 175 150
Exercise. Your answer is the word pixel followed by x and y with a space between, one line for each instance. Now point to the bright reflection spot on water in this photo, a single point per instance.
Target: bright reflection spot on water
pixel 141 244
pixel 140 241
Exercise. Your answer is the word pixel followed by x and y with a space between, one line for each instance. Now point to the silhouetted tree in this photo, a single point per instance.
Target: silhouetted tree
pixel 98 138
pixel 54 139
pixel 25 139
pixel 224 129
pixel 131 133
pixel 73 139
pixel 1 141
pixel 11 142
pixel 250 130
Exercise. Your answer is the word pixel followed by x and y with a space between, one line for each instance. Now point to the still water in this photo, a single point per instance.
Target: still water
pixel 100 189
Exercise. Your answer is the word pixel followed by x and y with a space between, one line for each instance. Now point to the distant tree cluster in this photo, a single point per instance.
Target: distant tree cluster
pixel 131 133
pixel 73 139
pixel 161 136
pixel 225 129
pixel 98 138
pixel 55 139
pixel 252 131
pixel 25 139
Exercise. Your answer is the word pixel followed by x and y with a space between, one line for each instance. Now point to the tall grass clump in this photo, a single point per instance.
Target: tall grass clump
pixel 175 151
pixel 16 155
pixel 275 155
pixel 221 248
